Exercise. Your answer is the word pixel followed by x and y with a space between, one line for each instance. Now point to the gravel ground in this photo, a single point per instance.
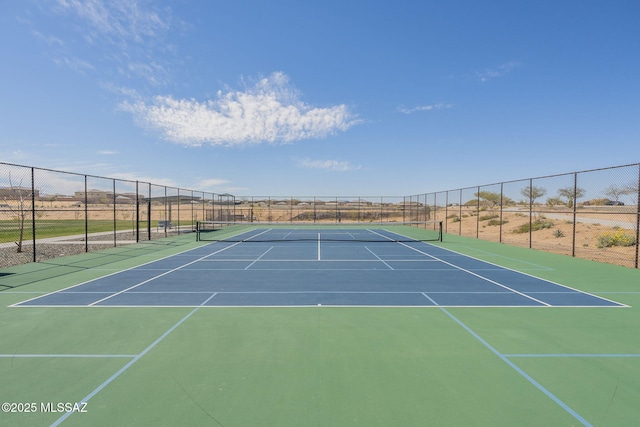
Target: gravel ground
pixel 46 251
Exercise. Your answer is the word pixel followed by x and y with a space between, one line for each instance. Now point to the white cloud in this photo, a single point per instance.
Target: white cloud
pixel 50 40
pixel 438 106
pixel 108 152
pixel 270 111
pixel 76 64
pixel 152 72
pixel 211 183
pixel 329 165
pixel 132 177
pixel 124 21
pixel 499 71
pixel 50 182
pixel 114 38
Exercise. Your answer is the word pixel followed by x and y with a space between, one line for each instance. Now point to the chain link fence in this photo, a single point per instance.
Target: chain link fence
pixel 45 214
pixel 590 214
pixel 328 210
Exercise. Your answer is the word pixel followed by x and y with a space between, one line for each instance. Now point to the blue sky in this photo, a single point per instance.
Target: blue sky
pixel 331 98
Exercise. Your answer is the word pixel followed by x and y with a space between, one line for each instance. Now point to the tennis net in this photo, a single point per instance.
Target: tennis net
pixel 422 231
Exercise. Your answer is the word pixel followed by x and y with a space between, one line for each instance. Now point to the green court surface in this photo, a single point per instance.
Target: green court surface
pixel 320 366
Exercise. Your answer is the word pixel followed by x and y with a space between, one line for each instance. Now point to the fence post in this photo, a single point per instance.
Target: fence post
pixel 478 214
pixel 137 214
pixel 166 209
pixel 446 211
pixel 530 213
pixel 638 218
pixel 33 212
pixel 435 208
pixel 575 202
pixel 460 213
pixel 501 208
pixel 115 213
pixel 204 210
pixel 404 208
pixel 149 213
pixel 86 216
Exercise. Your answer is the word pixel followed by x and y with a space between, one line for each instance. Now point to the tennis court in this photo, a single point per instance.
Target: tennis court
pixel 267 266
pixel 340 325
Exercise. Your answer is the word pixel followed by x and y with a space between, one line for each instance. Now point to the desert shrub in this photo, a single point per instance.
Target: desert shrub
pixel 555 201
pixel 487 217
pixel 497 222
pixel 598 202
pixel 558 233
pixel 616 238
pixel 538 224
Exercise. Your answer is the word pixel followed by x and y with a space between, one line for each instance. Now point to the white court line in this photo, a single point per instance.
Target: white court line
pixel 471 272
pixel 424 294
pixel 131 362
pixel 29 356
pixel 542 267
pixel 523 273
pixel 537 307
pixel 160 275
pixel 481 277
pixel 115 271
pixel 569 355
pixel 173 270
pixel 320 292
pixel 520 371
pixel 258 259
pixel 504 358
pixel 222 260
pixel 379 259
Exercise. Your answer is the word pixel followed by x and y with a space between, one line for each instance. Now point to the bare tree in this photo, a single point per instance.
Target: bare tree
pixel 23 209
pixel 489 196
pixel 615 192
pixel 571 194
pixel 532 193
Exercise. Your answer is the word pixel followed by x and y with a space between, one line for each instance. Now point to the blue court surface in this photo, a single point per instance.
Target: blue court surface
pixel 334 267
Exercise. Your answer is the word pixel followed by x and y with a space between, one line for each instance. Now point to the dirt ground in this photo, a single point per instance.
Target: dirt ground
pixel 593 226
